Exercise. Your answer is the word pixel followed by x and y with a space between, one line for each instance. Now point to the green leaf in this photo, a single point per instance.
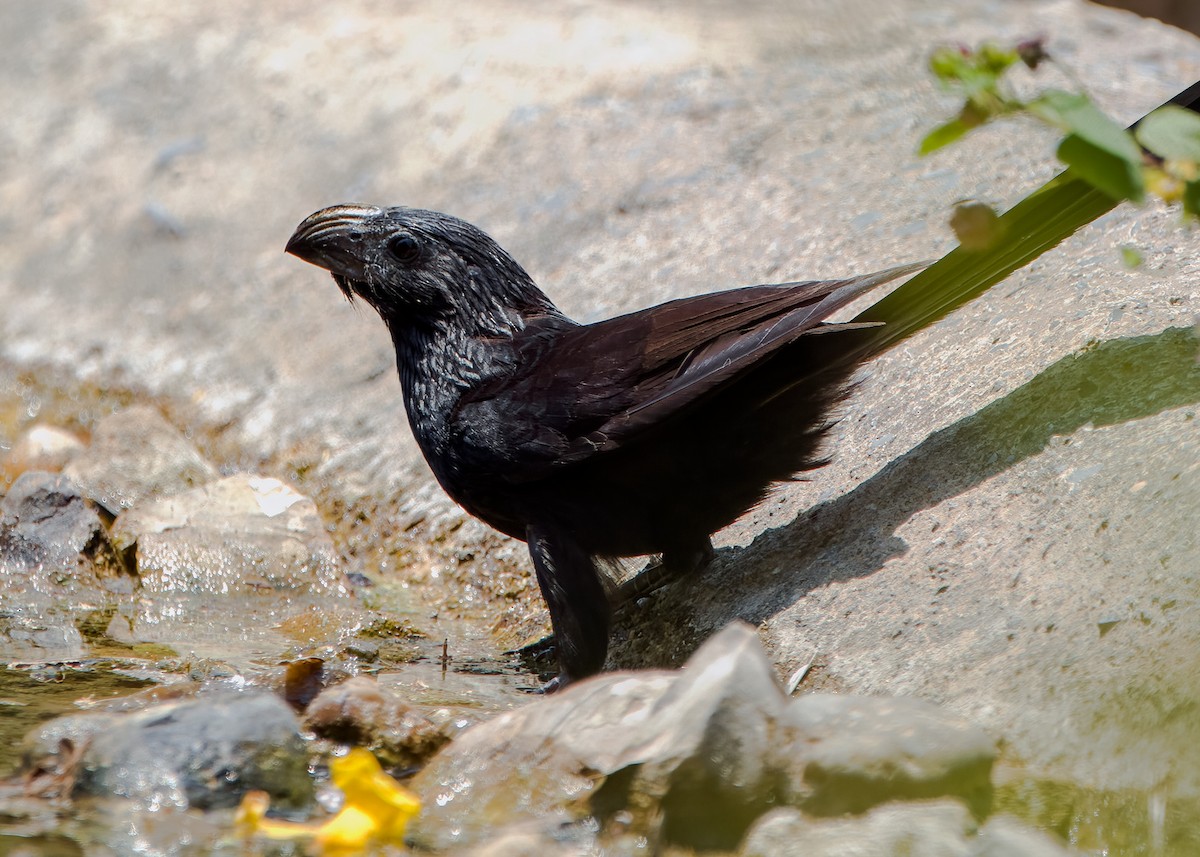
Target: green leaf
pixel 1171 133
pixel 995 58
pixel 1117 176
pixel 948 64
pixel 1057 107
pixel 1131 257
pixel 1077 115
pixel 943 135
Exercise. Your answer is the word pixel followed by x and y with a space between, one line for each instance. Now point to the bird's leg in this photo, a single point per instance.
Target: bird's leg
pixel 674 564
pixel 579 610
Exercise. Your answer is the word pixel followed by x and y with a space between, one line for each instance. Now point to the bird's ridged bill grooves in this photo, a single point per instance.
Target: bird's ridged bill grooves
pixel 328 239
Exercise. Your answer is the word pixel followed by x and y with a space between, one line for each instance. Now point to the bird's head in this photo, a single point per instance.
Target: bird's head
pixel 417 266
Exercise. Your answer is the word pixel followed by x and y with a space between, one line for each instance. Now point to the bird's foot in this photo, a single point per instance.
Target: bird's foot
pixel 555 684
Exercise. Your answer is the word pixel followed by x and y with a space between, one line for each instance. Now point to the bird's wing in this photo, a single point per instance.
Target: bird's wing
pixel 586 390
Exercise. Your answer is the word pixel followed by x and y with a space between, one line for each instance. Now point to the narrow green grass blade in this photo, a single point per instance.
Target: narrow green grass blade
pixel 1036 224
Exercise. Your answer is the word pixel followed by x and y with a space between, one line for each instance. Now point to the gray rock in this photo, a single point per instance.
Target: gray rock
pixel 39 632
pixel 360 712
pixel 703 760
pixel 50 746
pixel 849 753
pixel 46 526
pixel 931 829
pixel 694 756
pixel 55 558
pixel 204 753
pixel 56 562
pixel 136 454
pixel 239 534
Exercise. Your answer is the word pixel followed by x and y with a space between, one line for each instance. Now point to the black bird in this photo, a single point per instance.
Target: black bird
pixel 643 434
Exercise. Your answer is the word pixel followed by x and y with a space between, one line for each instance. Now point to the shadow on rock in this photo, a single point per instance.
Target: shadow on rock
pixel 854 535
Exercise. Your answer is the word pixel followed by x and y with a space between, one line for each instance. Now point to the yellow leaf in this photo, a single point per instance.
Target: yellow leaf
pixel 376 809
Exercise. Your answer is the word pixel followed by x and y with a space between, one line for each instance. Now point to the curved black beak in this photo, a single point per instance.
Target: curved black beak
pixel 333 238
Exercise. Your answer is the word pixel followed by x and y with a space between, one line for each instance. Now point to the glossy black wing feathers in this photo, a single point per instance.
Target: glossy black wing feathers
pixel 630 373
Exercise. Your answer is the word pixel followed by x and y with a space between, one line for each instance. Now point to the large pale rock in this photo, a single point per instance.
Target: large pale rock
pixel 136 454
pixel 240 533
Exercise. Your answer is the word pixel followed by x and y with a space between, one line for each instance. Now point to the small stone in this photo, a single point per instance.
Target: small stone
pixel 928 829
pixel 531 841
pixel 136 454
pixel 1004 836
pixel 44 633
pixel 52 539
pixel 41 447
pixel 365 650
pixel 358 711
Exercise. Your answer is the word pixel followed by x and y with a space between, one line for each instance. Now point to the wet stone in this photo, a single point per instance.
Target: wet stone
pixel 685 742
pixel 846 753
pixel 39 633
pixel 48 530
pixel 695 757
pixel 239 534
pixel 41 447
pixel 136 454
pixel 941 828
pixel 360 712
pixel 205 753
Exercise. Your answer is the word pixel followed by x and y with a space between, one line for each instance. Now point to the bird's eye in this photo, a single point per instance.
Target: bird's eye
pixel 404 247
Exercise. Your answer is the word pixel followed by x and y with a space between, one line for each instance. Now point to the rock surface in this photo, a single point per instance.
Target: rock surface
pixel 936 829
pixel 136 454
pixel 240 533
pixel 361 713
pixel 204 753
pixel 695 757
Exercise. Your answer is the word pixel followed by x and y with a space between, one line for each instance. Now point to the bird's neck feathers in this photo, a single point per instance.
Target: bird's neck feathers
pixel 443 354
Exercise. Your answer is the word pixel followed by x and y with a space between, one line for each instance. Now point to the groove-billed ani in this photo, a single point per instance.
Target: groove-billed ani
pixel 639 435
